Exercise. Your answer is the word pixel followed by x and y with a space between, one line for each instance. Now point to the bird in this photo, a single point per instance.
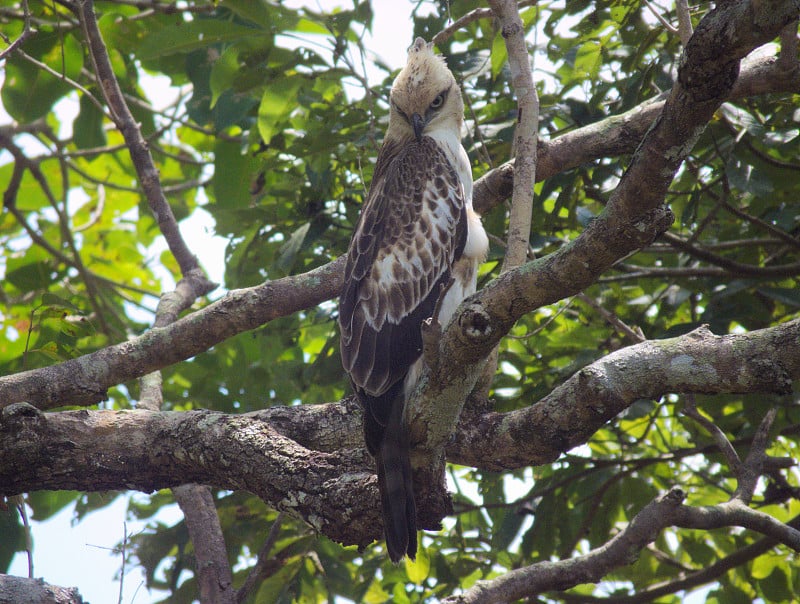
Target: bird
pixel 414 254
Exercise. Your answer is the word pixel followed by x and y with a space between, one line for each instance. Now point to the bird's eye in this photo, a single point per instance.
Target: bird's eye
pixel 400 111
pixel 437 102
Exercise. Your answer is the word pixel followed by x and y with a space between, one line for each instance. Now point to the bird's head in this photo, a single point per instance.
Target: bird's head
pixel 425 95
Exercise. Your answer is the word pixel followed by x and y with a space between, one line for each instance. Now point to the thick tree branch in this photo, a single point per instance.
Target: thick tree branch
pixel 145 450
pixel 765 360
pixel 36 591
pixel 759 361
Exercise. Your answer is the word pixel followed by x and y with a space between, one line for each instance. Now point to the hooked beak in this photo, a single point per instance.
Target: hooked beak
pixel 418 124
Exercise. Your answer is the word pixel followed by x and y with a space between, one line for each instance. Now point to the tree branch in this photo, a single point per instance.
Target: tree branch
pixel 26 32
pixel 145 450
pixel 689 580
pixel 622 549
pixel 20 589
pixel 211 568
pixel 519 223
pixel 759 361
pixel 621 134
pixel 635 214
pixel 84 380
pixel 545 576
pixel 137 146
pixel 665 511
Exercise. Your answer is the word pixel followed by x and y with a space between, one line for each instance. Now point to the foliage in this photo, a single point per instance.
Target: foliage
pixel 268 138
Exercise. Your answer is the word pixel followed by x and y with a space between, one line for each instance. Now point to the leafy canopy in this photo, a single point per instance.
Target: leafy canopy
pixel 267 137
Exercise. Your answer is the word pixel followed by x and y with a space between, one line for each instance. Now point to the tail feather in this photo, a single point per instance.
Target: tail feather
pixel 386 437
pixel 397 496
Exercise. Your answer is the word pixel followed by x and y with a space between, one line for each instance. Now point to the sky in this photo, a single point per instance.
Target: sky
pixel 82 555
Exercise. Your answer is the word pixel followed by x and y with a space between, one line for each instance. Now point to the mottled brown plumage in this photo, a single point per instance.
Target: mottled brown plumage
pixel 416 231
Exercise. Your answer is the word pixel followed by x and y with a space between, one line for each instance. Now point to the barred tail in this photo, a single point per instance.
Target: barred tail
pixel 396 487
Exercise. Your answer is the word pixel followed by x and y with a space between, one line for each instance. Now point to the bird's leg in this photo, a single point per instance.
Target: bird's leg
pixel 432 329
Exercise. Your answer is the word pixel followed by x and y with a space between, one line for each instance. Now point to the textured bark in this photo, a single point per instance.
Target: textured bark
pixel 146 451
pixel 212 570
pixel 525 133
pixel 14 590
pixel 333 489
pixel 760 361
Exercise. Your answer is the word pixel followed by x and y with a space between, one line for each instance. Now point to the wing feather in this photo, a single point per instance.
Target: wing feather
pixel 411 230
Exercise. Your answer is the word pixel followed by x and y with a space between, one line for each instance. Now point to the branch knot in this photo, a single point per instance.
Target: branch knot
pixel 475 323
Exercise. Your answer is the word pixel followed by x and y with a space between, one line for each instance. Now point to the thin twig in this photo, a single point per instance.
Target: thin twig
pixel 26 525
pixel 259 570
pixel 140 154
pixel 26 31
pixel 654 11
pixel 65 78
pixel 725 446
pixel 473 15
pixel 635 335
pixel 633 271
pixel 685 29
pixel 756 459
pixel 122 570
pixel 525 135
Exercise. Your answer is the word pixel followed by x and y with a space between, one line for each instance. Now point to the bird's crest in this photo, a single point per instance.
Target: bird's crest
pixel 424 69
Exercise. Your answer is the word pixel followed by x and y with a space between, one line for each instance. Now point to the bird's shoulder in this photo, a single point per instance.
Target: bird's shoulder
pixel 413 214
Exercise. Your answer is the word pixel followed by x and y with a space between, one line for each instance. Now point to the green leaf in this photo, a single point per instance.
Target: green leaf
pixel 223 72
pixel 289 250
pixel 589 59
pixel 277 102
pixel 193 35
pixel 234 173
pixel 88 126
pixel 13 540
pixel 499 54
pixel 29 92
pixel 776 587
pixel 275 586
pixel 46 504
pixel 307 26
pixel 420 568
pixel 28 274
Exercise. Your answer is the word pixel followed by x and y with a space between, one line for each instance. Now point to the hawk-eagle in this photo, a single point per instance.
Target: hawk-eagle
pixel 417 239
